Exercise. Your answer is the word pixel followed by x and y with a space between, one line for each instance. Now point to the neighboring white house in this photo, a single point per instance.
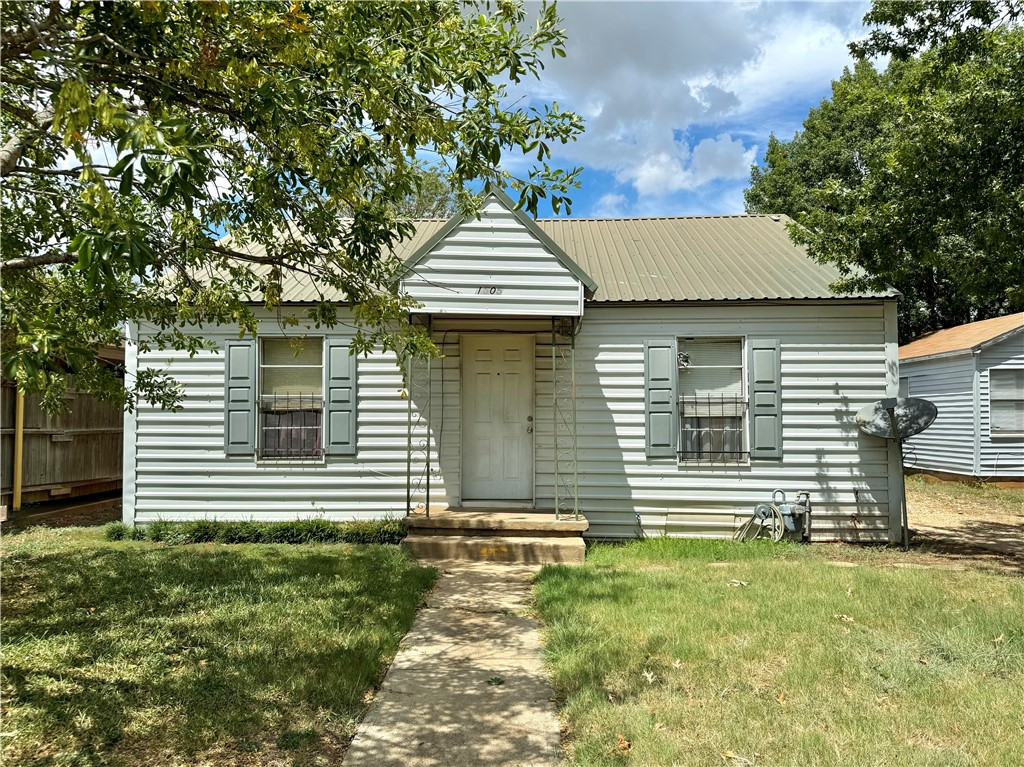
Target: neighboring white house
pixel 974 373
pixel 659 375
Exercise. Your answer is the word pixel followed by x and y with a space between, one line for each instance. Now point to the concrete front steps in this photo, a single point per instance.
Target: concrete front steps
pixel 506 535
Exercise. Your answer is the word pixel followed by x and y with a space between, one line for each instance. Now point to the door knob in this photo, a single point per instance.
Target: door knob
pixel 529 430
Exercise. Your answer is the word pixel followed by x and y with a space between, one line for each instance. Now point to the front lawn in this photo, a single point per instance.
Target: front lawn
pixel 140 654
pixel 668 652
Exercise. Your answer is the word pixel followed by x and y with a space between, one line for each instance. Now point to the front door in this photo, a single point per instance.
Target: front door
pixel 497 417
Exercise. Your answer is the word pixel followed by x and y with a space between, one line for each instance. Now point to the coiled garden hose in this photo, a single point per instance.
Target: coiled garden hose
pixel 759 524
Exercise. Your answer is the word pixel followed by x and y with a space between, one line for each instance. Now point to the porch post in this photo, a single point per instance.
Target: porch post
pixel 408 441
pixel 418 389
pixel 563 409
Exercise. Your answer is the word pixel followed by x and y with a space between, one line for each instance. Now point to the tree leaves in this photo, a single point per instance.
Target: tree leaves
pixel 294 128
pixel 913 179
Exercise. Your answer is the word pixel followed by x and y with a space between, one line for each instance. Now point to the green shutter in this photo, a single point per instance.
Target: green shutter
pixel 240 398
pixel 661 410
pixel 340 406
pixel 765 398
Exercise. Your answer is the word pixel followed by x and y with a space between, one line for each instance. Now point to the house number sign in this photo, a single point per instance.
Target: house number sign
pixel 488 291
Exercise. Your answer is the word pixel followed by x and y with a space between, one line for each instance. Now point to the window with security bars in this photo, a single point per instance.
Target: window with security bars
pixel 1006 401
pixel 712 400
pixel 291 398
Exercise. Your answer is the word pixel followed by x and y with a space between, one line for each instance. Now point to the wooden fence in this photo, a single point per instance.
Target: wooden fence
pixel 76 453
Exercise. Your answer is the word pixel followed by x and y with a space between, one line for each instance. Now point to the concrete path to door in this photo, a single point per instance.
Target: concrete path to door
pixel 467 687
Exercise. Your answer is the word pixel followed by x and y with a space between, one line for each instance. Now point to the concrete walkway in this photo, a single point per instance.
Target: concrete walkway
pixel 467 687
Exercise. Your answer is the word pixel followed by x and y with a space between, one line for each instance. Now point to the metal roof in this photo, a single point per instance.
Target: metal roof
pixel 963 338
pixel 700 258
pixel 693 258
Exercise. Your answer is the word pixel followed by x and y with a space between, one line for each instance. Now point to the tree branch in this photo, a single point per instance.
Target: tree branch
pixel 25 115
pixel 32 170
pixel 15 147
pixel 27 40
pixel 32 262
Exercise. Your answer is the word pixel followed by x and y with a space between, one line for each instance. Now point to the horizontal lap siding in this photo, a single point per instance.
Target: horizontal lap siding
pixel 181 470
pixel 833 362
pixel 498 252
pixel 948 444
pixel 1000 456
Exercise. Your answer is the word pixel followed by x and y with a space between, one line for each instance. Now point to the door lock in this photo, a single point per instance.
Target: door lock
pixel 529 419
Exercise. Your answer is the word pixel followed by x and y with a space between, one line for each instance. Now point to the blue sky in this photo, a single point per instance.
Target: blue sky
pixel 679 98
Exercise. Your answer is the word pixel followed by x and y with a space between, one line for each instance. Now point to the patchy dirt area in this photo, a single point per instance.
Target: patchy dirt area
pixel 73 513
pixel 969 523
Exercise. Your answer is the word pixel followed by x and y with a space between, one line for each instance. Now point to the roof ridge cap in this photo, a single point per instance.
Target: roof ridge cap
pixel 773 216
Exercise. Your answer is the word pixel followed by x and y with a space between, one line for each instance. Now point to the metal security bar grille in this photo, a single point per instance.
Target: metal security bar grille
pixel 711 428
pixel 291 425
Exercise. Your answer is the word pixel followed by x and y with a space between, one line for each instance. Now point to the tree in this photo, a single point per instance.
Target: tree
pixel 914 178
pixel 167 161
pixel 956 29
pixel 433 198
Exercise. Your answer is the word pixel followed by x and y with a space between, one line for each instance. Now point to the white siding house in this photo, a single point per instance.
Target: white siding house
pixel 659 376
pixel 974 374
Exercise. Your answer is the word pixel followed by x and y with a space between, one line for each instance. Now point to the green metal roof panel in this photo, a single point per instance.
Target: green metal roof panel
pixel 703 258
pixel 691 258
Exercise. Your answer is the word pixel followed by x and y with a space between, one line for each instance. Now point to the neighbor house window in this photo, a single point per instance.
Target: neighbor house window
pixel 712 400
pixel 904 390
pixel 291 398
pixel 1006 401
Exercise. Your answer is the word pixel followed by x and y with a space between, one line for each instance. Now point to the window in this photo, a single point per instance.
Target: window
pixel 1006 401
pixel 291 401
pixel 712 400
pixel 904 390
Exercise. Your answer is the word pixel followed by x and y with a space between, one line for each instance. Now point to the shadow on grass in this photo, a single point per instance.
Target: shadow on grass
pixel 113 651
pixel 995 543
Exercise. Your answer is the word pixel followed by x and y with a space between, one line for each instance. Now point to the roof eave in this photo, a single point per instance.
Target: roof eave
pixel 967 349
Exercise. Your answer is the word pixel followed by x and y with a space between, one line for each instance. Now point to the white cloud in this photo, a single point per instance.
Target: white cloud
pixel 675 94
pixel 610 205
pixel 714 159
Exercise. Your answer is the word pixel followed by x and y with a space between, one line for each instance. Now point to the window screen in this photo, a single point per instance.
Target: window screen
pixel 291 398
pixel 712 400
pixel 1006 401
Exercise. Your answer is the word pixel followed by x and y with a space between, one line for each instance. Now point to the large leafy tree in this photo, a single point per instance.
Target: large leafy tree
pixel 167 161
pixel 914 176
pixel 955 29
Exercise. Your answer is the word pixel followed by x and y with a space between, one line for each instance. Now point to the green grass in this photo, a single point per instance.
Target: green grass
pixel 712 653
pixel 1004 499
pixel 138 654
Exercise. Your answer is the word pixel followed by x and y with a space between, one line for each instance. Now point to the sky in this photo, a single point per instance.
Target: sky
pixel 679 98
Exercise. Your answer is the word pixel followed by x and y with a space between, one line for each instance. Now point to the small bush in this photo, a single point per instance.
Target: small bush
pixel 200 531
pixel 240 532
pixel 118 531
pixel 159 530
pixel 381 531
pixel 375 531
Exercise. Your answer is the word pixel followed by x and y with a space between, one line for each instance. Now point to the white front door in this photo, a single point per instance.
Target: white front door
pixel 497 417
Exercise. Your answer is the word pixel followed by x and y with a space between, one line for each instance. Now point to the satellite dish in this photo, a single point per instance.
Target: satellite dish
pixel 912 416
pixel 898 418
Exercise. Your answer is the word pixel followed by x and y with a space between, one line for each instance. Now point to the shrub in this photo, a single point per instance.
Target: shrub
pixel 200 531
pixel 375 531
pixel 240 532
pixel 159 529
pixel 118 531
pixel 382 531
